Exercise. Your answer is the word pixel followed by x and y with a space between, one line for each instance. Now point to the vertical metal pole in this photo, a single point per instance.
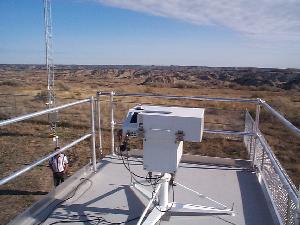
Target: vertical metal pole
pixel 15 105
pixel 112 123
pixel 99 123
pixel 262 161
pixel 250 140
pixel 256 129
pixel 257 114
pixel 56 141
pixel 93 139
pixel 164 191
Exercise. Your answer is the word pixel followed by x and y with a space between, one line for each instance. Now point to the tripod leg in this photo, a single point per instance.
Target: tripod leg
pixel 158 211
pixel 142 190
pixel 201 195
pixel 154 216
pixel 148 206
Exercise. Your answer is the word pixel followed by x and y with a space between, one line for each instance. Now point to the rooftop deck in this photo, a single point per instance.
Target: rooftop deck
pixel 101 193
pixel 106 197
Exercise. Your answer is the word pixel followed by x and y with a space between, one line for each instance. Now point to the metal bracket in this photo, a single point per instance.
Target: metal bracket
pixel 179 136
pixel 141 132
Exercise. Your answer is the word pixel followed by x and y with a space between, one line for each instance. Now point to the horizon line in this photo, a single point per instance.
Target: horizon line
pixel 154 65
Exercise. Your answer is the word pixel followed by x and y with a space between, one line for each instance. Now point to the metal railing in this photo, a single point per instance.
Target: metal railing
pixel 279 186
pixel 170 97
pixel 281 118
pixel 64 148
pixel 201 98
pixel 280 189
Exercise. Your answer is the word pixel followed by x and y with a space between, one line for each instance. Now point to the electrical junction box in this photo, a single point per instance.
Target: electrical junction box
pixel 163 130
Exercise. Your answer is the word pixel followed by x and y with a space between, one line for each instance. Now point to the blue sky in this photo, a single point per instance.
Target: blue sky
pixel 156 32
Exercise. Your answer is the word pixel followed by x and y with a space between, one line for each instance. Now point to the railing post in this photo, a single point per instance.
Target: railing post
pixel 257 117
pixel 262 160
pixel 248 122
pixel 257 114
pixel 112 123
pixel 256 129
pixel 251 142
pixel 99 123
pixel 93 138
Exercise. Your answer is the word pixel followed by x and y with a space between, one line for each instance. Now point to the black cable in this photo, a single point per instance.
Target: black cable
pixel 224 220
pixel 132 174
pixel 99 219
pixel 125 143
pixel 91 184
pixel 149 179
pixel 136 175
pixel 133 177
pixel 66 199
pixel 152 184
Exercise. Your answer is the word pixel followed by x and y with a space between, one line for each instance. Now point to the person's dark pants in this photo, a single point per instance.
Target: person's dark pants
pixel 58 178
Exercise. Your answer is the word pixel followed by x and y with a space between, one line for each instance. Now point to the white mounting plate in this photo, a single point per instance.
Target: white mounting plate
pixel 188 120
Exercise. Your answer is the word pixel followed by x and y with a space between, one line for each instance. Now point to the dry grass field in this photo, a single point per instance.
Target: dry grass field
pixel 25 142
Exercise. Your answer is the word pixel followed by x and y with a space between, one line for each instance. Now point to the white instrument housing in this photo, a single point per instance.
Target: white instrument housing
pixel 163 130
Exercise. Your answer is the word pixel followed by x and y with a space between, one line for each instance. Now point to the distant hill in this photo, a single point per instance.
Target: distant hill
pixel 179 76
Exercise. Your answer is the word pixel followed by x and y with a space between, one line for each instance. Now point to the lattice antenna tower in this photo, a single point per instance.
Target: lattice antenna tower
pixel 49 64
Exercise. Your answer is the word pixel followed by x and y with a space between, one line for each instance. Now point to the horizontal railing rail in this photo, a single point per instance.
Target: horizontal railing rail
pixel 13 95
pixel 40 161
pixel 209 131
pixel 201 98
pixel 280 117
pixel 229 132
pixel 40 113
pixel 43 159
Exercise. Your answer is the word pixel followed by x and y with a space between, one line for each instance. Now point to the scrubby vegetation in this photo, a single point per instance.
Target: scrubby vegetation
pixel 25 142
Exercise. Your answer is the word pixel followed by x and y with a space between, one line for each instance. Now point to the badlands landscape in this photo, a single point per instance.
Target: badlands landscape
pixel 23 90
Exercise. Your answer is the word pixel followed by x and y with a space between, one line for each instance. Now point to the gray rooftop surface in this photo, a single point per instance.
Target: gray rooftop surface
pixel 108 198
